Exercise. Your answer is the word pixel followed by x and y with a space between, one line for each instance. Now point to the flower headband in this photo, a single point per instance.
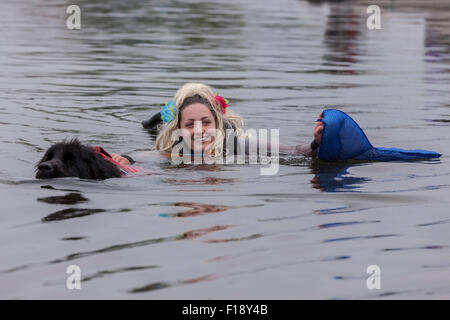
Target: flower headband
pixel 169 111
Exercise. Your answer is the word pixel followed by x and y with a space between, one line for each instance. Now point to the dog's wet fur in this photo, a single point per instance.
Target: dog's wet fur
pixel 74 159
pixel 153 124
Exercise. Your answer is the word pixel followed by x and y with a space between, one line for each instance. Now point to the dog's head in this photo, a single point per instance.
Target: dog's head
pixel 154 123
pixel 73 159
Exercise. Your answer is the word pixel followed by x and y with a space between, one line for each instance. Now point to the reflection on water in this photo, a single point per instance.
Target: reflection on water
pixel 162 285
pixel 200 232
pixel 251 237
pixel 70 214
pixel 312 229
pixel 188 235
pixel 196 209
pixel 70 198
pixel 362 237
pixel 73 238
pixel 103 273
pixel 335 178
pixel 202 181
pixel 342 33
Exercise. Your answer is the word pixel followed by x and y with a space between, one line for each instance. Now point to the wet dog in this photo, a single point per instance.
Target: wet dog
pixel 74 159
pixel 154 123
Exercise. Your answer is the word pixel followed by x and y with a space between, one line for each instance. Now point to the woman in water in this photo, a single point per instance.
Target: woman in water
pixel 201 122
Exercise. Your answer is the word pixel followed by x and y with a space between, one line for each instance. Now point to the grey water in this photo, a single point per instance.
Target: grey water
pixel 225 232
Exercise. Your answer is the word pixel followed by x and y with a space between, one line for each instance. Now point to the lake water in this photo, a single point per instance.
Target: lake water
pixel 225 232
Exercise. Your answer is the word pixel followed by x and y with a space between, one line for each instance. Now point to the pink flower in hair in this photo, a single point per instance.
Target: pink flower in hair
pixel 222 102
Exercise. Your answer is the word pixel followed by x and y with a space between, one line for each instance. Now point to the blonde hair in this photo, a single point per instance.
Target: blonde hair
pixel 228 120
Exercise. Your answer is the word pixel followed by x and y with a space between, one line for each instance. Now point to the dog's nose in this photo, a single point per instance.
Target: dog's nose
pixel 44 167
pixel 48 169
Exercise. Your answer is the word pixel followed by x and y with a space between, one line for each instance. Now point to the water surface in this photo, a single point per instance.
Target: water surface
pixel 225 232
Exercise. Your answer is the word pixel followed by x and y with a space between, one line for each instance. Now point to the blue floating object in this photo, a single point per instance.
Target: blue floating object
pixel 343 139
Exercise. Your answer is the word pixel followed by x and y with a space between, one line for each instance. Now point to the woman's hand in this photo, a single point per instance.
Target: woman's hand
pixel 120 159
pixel 318 129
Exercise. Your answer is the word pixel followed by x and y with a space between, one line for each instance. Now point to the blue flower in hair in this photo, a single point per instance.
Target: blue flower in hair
pixel 169 111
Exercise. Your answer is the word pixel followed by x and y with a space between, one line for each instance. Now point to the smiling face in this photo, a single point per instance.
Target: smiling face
pixel 199 125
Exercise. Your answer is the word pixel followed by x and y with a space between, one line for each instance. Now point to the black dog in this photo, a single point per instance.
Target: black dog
pixel 73 159
pixel 154 123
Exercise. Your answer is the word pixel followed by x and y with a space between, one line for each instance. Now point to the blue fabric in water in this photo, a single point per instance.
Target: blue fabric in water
pixel 343 139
